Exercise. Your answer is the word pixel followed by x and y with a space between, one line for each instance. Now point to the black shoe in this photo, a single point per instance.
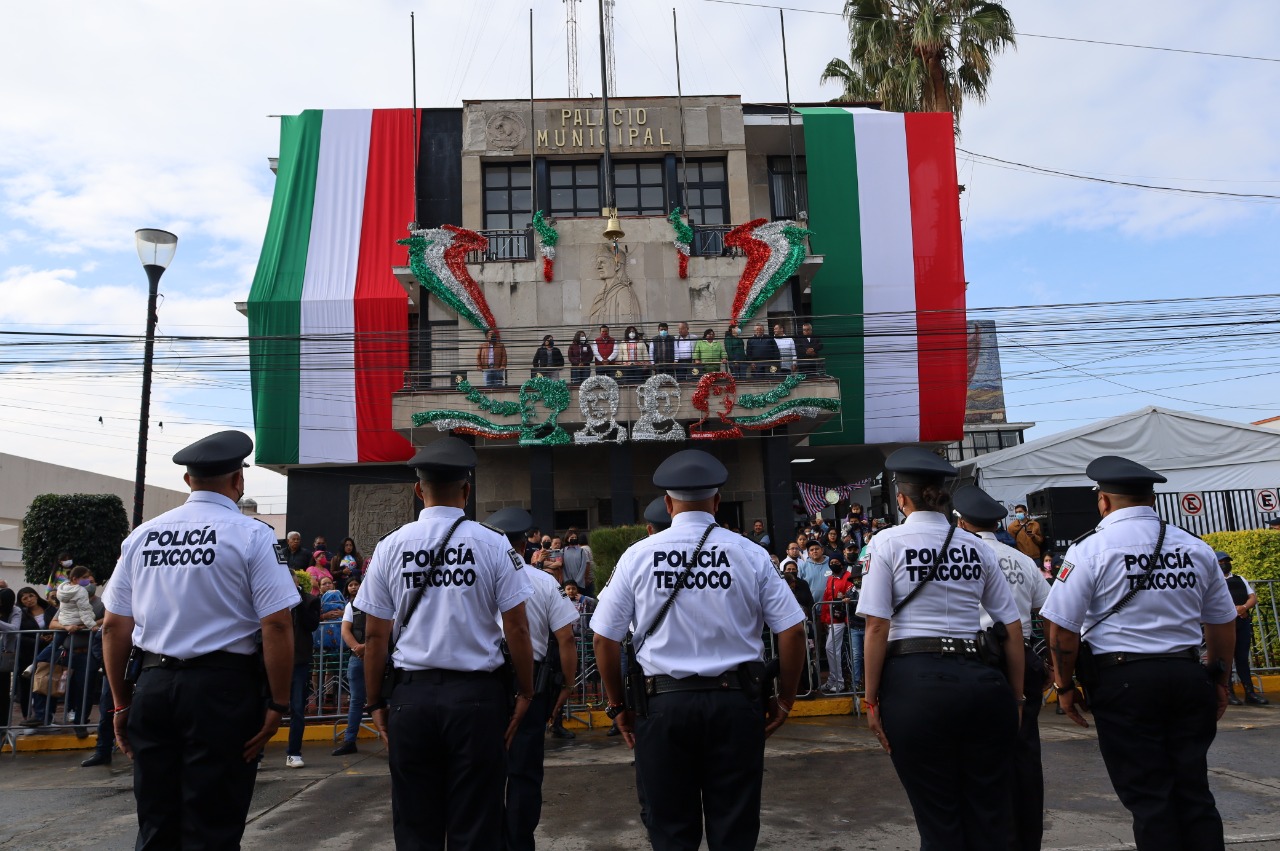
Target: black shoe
pixel 82 732
pixel 613 731
pixel 1256 699
pixel 98 758
pixel 1233 700
pixel 1060 711
pixel 561 733
pixel 345 748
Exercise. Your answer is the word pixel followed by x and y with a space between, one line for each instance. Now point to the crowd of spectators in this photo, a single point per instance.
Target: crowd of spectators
pixel 635 356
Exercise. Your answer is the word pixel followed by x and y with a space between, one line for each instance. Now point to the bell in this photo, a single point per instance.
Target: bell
pixel 613 229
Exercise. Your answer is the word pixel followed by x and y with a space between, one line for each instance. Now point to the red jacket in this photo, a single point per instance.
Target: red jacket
pixel 836 589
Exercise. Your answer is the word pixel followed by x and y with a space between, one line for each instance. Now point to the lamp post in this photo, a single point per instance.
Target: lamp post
pixel 155 249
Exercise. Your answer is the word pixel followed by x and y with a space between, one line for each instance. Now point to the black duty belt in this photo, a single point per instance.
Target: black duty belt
pixel 660 684
pixel 440 675
pixel 1108 660
pixel 216 659
pixel 964 648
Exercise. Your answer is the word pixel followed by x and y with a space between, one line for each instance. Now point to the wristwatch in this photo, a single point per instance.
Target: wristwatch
pixel 1071 686
pixel 282 708
pixel 613 710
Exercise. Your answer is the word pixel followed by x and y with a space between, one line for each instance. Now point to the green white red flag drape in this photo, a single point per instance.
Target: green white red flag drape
pixel 328 323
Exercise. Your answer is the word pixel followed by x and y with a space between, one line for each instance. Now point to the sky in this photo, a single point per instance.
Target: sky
pixel 159 114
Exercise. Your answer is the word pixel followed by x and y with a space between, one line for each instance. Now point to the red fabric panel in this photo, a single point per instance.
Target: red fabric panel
pixel 381 314
pixel 939 262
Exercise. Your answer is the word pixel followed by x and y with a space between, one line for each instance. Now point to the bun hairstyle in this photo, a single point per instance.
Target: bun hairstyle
pixel 926 497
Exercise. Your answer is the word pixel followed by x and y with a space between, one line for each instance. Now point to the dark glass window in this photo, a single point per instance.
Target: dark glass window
pixel 638 188
pixel 707 193
pixel 508 197
pixel 780 196
pixel 575 189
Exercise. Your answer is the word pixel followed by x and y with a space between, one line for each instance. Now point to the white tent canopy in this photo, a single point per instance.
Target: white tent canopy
pixel 1196 453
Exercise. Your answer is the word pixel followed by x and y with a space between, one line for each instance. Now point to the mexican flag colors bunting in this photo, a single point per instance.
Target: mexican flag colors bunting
pixel 889 298
pixel 327 320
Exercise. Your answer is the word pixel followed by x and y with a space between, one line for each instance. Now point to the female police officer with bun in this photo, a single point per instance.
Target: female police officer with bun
pixel 947 719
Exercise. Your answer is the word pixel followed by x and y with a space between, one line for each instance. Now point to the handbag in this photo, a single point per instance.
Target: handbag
pixel 8 659
pixel 49 679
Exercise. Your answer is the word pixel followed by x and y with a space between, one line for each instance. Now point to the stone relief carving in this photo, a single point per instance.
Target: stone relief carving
pixel 376 510
pixel 616 305
pixel 506 131
pixel 702 300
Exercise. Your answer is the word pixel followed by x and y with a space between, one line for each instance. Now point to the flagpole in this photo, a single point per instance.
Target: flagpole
pixel 791 138
pixel 604 114
pixel 417 124
pixel 684 177
pixel 533 134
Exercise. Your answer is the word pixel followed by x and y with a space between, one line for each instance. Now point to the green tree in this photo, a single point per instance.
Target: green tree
pixel 89 526
pixel 921 55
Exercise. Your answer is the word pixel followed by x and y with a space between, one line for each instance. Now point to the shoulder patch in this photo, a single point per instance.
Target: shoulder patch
pixel 1085 535
pixel 1065 571
pixel 516 561
pixel 280 556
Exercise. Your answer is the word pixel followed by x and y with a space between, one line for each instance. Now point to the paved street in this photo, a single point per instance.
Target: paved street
pixel 827 788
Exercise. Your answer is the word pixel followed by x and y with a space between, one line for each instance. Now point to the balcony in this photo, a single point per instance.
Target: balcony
pixel 504 246
pixel 708 241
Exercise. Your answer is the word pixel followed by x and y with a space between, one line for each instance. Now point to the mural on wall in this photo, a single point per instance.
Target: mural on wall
pixel 774 252
pixel 543 400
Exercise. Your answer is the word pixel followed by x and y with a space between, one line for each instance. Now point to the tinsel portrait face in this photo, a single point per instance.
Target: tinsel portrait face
pixel 659 396
pixel 598 399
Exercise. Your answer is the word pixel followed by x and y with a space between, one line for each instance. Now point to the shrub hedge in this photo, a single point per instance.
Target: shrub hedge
pixel 608 543
pixel 90 526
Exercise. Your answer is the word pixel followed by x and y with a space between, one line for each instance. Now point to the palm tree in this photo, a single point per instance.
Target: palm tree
pixel 921 55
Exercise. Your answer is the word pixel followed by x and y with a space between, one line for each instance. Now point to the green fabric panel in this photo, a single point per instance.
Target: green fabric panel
pixel 276 296
pixel 837 287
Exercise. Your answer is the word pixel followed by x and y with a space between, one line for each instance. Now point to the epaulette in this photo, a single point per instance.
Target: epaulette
pixel 388 535
pixel 492 528
pixel 265 523
pixel 1085 535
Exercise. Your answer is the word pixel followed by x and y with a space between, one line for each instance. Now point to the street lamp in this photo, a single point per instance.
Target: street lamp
pixel 155 249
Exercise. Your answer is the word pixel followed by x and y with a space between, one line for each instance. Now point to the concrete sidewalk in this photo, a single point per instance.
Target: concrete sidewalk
pixel 827 786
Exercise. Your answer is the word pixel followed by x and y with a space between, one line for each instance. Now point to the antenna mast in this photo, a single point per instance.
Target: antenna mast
pixel 571 42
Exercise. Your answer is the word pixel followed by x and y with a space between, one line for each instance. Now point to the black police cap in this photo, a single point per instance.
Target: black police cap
pixel 511 521
pixel 1121 476
pixel 690 475
pixel 215 455
pixel 1273 522
pixel 445 460
pixel 656 513
pixel 977 506
pixel 916 465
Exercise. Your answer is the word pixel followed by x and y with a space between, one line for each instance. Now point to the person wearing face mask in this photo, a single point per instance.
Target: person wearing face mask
pixel 548 360
pixel 663 351
pixel 577 563
pixel 836 594
pixel 633 356
pixel 1027 535
pixel 194 696
pixel 492 358
pixel 61 571
pixel 1245 600
pixel 580 356
pixel 76 616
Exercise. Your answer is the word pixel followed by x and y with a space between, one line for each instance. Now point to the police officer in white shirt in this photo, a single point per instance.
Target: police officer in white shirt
pixel 947 718
pixel 555 665
pixel 699 597
pixel 982 515
pixel 190 593
pixel 445 581
pixel 1126 613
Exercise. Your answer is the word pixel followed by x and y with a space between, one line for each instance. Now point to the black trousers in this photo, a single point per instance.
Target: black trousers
pixel 448 762
pixel 1028 772
pixel 700 756
pixel 524 775
pixel 1156 719
pixel 951 725
pixel 188 729
pixel 1244 642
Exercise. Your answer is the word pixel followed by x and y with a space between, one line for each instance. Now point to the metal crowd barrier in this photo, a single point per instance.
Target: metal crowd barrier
pixel 1266 626
pixel 58 693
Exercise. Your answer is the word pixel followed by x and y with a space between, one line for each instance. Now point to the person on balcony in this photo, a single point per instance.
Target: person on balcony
pixel 605 351
pixel 663 350
pixel 580 357
pixel 808 351
pixel 736 352
pixel 786 348
pixel 548 359
pixel 709 354
pixel 762 351
pixel 633 356
pixel 492 358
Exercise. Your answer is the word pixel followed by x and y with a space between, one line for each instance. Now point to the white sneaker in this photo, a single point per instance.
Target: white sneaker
pixel 294 762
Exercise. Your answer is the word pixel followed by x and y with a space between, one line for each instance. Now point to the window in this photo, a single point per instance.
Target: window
pixel 508 197
pixel 780 195
pixel 707 193
pixel 638 188
pixel 575 189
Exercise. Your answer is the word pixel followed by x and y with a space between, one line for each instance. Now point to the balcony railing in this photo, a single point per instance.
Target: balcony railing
pixel 504 245
pixel 708 241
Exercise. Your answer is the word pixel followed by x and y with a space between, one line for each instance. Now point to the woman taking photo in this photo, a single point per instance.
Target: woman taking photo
pixel 947 719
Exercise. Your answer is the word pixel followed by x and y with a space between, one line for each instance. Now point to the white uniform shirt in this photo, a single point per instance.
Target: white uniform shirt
pixel 902 556
pixel 684 351
pixel 1027 583
pixel 199 579
pixel 1187 588
pixel 547 611
pixel 455 626
pixel 717 620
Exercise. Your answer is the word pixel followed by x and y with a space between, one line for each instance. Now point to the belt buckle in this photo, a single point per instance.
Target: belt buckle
pixel 947 646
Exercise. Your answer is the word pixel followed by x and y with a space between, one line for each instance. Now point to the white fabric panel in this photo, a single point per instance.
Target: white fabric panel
pixel 891 367
pixel 327 383
pixel 1195 453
